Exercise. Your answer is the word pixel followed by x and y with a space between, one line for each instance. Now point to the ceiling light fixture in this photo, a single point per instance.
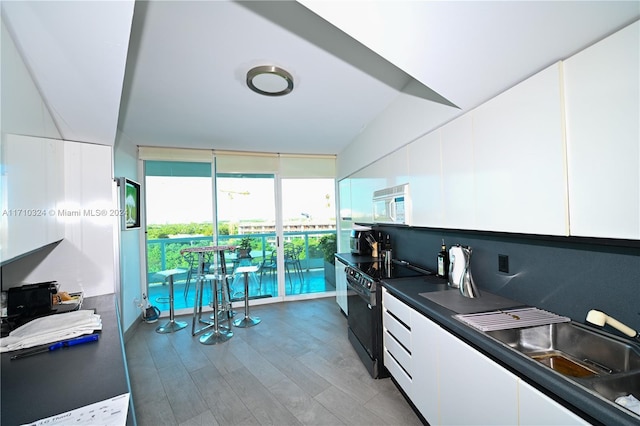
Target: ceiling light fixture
pixel 269 80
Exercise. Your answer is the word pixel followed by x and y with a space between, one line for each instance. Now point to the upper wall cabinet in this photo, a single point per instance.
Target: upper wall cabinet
pixel 362 186
pixel 388 171
pixel 458 174
pixel 392 169
pixel 603 137
pixel 519 158
pixel 32 188
pixel 425 180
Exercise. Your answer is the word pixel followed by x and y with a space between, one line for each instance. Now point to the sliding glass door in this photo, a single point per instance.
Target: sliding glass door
pixel 309 233
pixel 246 214
pixel 179 214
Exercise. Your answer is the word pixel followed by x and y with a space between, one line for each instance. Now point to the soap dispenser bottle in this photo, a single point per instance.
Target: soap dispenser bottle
pixel 443 261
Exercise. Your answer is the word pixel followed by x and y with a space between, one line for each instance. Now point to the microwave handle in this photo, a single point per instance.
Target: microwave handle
pixel 392 210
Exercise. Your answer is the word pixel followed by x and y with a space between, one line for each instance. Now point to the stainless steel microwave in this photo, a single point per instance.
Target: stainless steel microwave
pixel 392 205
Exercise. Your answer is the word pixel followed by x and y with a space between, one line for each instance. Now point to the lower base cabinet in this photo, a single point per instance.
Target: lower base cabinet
pixel 450 382
pixel 536 408
pixel 341 286
pixel 425 335
pixel 473 388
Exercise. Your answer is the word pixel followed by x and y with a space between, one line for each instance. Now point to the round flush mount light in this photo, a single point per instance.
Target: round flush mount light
pixel 269 80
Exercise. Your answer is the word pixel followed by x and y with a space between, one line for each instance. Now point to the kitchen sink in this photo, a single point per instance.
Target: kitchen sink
pixel 604 364
pixel 572 349
pixel 614 386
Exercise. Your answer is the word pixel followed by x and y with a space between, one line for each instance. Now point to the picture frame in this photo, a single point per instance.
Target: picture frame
pixel 130 196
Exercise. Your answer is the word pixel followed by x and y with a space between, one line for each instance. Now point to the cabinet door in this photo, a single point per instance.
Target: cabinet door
pixel 27 214
pixel 535 408
pixel 363 184
pixel 346 220
pixel 397 341
pixel 425 180
pixel 474 389
pixel 54 153
pixel 602 92
pixel 457 174
pixel 341 286
pixel 519 159
pixel 424 343
pixel 89 187
pixel 392 169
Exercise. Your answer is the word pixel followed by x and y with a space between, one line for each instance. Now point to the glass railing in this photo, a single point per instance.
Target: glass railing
pixel 164 253
pixel 307 276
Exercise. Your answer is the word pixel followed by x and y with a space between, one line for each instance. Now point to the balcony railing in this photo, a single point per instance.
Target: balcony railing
pixel 164 253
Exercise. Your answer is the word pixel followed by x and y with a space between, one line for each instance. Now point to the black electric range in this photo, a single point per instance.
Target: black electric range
pixel 364 303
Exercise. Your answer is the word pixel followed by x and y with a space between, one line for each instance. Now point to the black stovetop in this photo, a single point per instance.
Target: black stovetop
pixel 378 270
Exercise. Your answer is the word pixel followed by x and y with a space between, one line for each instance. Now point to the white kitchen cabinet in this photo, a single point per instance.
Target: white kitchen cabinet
pixel 519 158
pixel 458 188
pixel 33 188
pixel 451 382
pixel 346 221
pixel 425 180
pixel 363 184
pixel 425 336
pixel 341 286
pixel 392 169
pixel 473 388
pixel 89 190
pixel 54 153
pixel 602 93
pixel 389 171
pixel 411 353
pixel 397 341
pixel 536 408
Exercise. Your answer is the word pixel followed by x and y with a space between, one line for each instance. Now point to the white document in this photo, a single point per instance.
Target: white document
pixel 110 412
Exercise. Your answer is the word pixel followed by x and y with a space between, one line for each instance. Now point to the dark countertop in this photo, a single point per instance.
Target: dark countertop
pixel 353 259
pixel 584 402
pixel 51 383
pixel 588 405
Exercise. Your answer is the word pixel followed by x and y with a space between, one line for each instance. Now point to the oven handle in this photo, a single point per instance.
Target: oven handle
pixel 367 297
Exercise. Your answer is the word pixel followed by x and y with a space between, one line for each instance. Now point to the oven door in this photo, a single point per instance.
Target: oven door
pixel 360 319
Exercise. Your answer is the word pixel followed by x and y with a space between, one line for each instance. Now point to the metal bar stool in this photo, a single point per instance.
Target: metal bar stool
pixel 219 282
pixel 247 321
pixel 172 325
pixel 219 333
pixel 197 307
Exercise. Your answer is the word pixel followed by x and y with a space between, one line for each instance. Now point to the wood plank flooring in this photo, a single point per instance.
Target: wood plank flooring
pixel 294 368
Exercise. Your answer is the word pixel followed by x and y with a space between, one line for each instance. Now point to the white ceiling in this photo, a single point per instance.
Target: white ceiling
pixel 184 79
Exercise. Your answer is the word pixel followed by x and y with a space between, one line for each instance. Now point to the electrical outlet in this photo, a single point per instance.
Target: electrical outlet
pixel 503 263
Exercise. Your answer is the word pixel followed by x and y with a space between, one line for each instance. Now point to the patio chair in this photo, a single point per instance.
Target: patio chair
pixel 292 259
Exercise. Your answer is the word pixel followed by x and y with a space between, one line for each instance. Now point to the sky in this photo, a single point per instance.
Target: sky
pixel 189 199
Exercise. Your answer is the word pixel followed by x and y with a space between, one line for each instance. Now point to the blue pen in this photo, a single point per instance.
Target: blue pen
pixel 62 344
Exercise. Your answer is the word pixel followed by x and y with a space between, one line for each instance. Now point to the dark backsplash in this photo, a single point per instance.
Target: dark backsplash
pixel 567 276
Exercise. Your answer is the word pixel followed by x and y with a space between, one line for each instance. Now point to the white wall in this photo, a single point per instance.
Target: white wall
pixel 405 120
pixel 23 110
pixel 131 269
pixel 76 51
